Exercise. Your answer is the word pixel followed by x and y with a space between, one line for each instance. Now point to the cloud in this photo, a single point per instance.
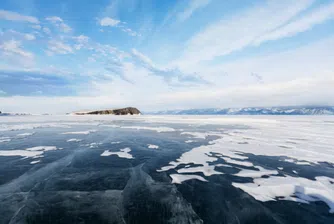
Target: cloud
pixel 46 30
pixel 13 47
pixel 14 16
pixel 192 7
pixel 303 91
pixel 2 93
pixel 58 47
pixel 13 34
pixel 81 40
pixel 59 23
pixel 29 36
pixel 130 32
pixel 36 27
pixel 172 75
pixel 107 21
pixel 240 30
pixel 302 24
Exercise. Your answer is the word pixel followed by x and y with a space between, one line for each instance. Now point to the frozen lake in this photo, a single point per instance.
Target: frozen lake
pixel 167 169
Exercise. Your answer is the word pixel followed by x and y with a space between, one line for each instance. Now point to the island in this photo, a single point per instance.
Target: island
pixel 122 111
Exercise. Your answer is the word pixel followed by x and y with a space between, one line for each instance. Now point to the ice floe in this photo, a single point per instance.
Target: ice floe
pixel 114 143
pixel 123 153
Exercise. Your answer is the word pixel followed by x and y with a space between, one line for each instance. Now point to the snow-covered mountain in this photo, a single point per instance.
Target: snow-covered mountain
pixel 307 110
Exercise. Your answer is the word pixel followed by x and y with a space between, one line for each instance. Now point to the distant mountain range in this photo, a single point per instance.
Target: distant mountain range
pixel 302 110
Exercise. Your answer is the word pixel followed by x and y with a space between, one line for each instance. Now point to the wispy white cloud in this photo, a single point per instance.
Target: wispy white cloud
pixel 107 21
pixel 14 54
pixel 29 36
pixel 14 16
pixel 36 27
pixel 239 31
pixel 14 47
pixel 46 30
pixel 58 47
pixel 191 8
pixel 110 22
pixel 59 23
pixel 13 34
pixel 81 40
pixel 302 24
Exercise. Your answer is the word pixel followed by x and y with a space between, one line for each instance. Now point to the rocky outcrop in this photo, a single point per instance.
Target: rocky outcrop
pixel 123 111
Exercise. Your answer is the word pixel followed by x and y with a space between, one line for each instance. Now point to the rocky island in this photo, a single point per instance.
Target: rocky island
pixel 122 111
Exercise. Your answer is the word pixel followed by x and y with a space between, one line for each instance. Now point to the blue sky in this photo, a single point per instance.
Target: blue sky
pixel 60 56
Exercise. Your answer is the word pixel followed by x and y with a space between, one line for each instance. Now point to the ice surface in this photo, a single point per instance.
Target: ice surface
pixel 113 143
pixel 123 153
pixel 150 146
pixel 303 141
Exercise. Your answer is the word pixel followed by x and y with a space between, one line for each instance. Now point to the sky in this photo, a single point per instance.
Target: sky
pixel 71 55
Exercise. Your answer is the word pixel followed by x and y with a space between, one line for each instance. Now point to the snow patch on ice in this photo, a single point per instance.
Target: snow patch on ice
pixel 150 146
pixel 178 178
pixel 256 173
pixel 5 139
pixel 26 134
pixel 190 141
pixel 291 188
pixel 157 129
pixel 123 153
pixel 202 135
pixel 35 161
pixel 79 132
pixel 42 148
pixel 74 140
